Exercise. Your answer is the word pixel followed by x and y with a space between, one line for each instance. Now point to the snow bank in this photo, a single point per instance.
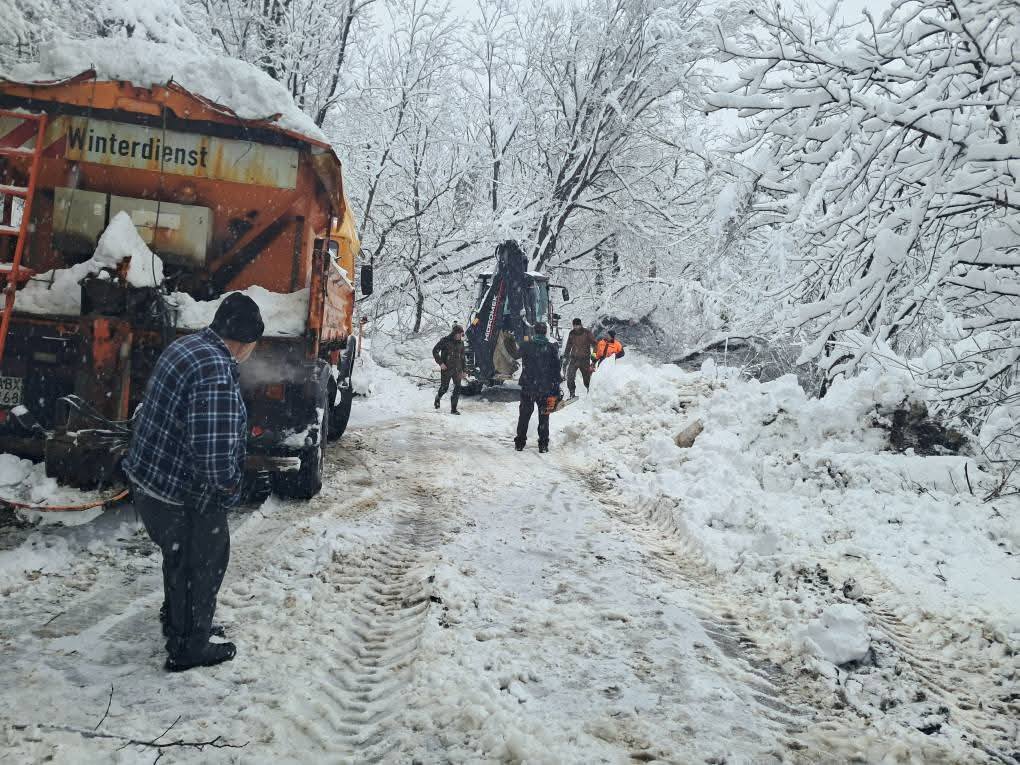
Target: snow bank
pixel 409 356
pixel 778 484
pixel 243 88
pixel 283 314
pixel 59 292
pixel 368 378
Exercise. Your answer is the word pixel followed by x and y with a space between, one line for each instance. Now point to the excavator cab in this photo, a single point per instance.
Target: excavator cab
pixel 509 302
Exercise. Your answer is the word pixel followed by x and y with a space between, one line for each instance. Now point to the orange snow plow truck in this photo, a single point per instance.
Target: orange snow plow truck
pixel 126 214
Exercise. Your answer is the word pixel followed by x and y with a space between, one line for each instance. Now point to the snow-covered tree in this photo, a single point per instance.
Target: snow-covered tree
pixel 891 157
pixel 404 156
pixel 608 70
pixel 304 44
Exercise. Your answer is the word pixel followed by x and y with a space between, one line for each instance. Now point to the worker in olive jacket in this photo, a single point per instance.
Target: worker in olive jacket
pixel 449 355
pixel 579 349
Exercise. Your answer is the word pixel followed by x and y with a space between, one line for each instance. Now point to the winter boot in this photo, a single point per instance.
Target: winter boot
pixel 208 655
pixel 543 448
pixel 519 446
pixel 437 402
pixel 454 411
pixel 216 630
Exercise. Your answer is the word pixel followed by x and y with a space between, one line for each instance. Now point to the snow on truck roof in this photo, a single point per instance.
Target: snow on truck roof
pixel 242 88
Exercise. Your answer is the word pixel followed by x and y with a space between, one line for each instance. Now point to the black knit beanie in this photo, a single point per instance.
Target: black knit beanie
pixel 238 318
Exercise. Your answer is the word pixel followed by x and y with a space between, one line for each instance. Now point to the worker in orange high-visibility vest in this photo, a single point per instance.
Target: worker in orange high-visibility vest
pixel 607 347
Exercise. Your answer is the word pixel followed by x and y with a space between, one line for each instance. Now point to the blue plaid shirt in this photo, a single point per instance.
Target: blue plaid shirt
pixel 188 444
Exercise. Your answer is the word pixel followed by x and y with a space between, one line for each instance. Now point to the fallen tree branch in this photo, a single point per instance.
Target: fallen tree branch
pixel 214 743
pixel 109 702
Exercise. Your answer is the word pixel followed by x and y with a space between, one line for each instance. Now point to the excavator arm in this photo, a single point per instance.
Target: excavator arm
pixel 502 306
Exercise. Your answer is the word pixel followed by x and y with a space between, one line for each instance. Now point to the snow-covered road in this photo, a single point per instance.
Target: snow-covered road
pixel 445 599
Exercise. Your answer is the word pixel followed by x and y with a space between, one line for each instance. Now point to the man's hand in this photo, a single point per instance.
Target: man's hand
pixel 443 367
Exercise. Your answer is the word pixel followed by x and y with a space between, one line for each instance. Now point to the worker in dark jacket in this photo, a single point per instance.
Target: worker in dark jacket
pixel 449 355
pixel 185 464
pixel 540 386
pixel 579 348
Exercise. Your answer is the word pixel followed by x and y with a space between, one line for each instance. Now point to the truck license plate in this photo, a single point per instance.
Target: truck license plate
pixel 10 390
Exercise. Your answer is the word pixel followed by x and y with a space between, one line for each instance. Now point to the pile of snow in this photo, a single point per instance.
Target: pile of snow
pixel 368 378
pixel 39 554
pixel 839 635
pixel 284 314
pixel 779 484
pixel 13 470
pixel 121 241
pixel 25 482
pixel 58 291
pixel 246 90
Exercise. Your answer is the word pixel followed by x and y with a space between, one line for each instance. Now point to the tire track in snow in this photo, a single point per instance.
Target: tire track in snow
pixel 368 618
pixel 367 630
pixel 988 721
pixel 675 552
pixel 673 555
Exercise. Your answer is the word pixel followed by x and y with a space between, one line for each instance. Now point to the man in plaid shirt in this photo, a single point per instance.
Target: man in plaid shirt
pixel 186 463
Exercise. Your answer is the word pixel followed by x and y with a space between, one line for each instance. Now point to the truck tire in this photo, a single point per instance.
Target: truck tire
pixel 306 482
pixel 340 414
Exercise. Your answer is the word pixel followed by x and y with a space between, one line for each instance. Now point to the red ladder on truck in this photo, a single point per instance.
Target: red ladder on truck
pixel 12 272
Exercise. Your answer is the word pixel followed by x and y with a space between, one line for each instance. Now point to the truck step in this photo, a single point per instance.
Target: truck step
pixel 10 230
pixel 13 191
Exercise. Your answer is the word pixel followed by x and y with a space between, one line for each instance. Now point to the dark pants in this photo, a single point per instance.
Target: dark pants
pixel 445 378
pixel 528 403
pixel 575 365
pixel 196 549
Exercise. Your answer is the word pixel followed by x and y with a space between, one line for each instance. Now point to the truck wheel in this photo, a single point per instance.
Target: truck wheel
pixel 306 482
pixel 340 414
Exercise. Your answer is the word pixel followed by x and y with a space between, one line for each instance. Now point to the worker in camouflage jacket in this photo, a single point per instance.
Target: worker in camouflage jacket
pixel 449 355
pixel 540 386
pixel 579 349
